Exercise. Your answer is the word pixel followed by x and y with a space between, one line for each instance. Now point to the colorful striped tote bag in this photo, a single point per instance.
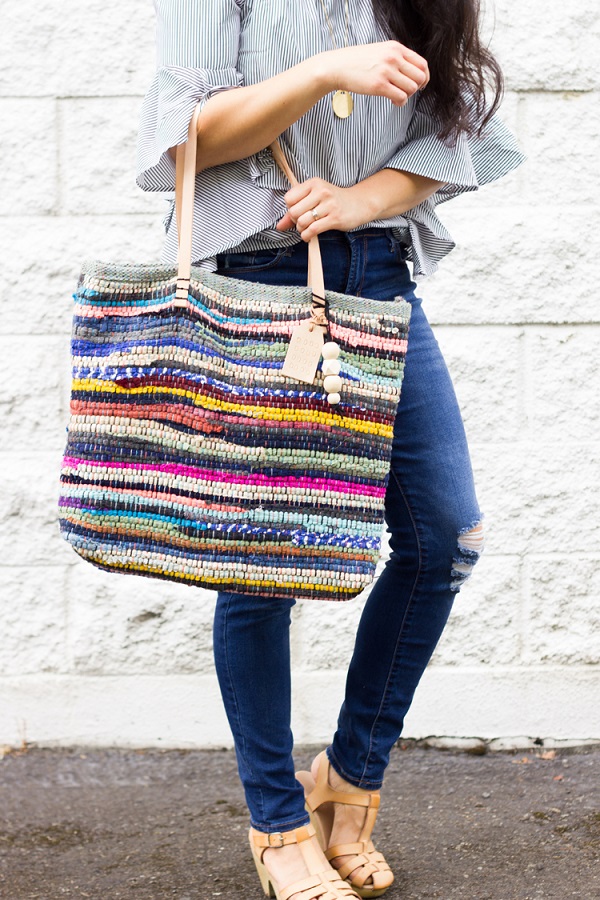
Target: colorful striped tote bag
pixel 225 434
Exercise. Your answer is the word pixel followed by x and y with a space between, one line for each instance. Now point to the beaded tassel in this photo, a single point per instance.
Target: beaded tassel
pixel 331 370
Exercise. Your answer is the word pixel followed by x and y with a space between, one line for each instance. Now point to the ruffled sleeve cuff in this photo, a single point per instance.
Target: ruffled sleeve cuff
pixel 165 116
pixel 463 165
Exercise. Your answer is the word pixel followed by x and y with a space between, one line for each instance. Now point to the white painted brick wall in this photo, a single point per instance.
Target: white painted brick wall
pixel 95 658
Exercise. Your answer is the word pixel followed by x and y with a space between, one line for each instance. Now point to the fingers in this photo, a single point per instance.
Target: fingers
pixel 305 222
pixel 303 198
pixel 409 72
pixel 401 88
pixel 307 225
pixel 286 223
pixel 314 194
pixel 385 69
pixel 417 62
pixel 298 193
pixel 418 76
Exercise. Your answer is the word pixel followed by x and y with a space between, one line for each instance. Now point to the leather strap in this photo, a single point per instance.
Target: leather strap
pixel 315 266
pixel 282 838
pixel 185 186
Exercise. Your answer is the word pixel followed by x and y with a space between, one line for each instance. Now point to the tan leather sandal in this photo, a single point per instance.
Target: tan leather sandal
pixel 374 876
pixel 319 884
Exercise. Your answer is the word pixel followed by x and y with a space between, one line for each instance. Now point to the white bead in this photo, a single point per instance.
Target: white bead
pixel 333 398
pixel 331 367
pixel 331 350
pixel 332 383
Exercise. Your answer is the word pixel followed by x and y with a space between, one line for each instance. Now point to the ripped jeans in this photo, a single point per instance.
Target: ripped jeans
pixel 435 530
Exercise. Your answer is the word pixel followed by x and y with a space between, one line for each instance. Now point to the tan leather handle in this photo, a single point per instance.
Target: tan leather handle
pixel 185 188
pixel 185 184
pixel 315 265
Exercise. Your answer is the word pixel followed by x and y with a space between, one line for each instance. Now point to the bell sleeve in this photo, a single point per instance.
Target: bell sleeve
pixel 197 51
pixel 463 165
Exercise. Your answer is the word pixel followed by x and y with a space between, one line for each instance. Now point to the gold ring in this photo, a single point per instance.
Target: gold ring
pixel 315 214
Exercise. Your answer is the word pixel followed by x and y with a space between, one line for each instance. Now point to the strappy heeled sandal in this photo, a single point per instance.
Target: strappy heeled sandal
pixel 319 884
pixel 374 876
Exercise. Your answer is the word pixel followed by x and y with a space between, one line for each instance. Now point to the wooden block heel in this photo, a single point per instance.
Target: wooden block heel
pixel 374 876
pixel 319 884
pixel 265 880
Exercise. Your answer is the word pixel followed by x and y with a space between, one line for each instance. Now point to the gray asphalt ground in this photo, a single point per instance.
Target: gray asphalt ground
pixel 152 824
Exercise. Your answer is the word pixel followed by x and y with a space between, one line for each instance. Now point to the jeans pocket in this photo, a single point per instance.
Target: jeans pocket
pixel 252 261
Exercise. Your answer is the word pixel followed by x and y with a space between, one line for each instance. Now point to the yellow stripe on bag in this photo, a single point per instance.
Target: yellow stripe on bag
pixel 188 576
pixel 254 412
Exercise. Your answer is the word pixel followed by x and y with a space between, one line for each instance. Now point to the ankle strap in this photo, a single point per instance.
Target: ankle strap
pixel 281 838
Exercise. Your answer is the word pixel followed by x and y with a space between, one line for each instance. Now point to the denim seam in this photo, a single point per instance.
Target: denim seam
pixel 364 266
pixel 409 607
pixel 242 741
pixel 352 268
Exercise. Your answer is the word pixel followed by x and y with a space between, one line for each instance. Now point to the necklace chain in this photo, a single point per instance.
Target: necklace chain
pixel 341 101
pixel 328 20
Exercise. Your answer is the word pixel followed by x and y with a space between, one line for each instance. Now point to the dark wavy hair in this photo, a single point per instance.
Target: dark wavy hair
pixel 446 34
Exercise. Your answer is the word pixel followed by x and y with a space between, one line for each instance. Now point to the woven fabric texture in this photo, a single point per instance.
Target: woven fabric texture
pixel 190 457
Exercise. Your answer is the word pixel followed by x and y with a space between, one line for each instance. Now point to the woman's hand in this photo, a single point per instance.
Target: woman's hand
pixel 385 69
pixel 337 208
pixel 387 193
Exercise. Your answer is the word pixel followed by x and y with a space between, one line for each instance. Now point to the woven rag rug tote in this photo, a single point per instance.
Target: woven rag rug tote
pixel 225 434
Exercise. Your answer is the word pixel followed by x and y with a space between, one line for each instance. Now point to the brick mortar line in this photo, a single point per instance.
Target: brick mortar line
pixel 68 215
pixel 140 97
pixel 580 668
pixel 489 325
pixel 525 612
pixel 524 380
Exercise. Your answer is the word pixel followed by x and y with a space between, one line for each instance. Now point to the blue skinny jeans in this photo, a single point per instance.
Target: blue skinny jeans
pixel 433 519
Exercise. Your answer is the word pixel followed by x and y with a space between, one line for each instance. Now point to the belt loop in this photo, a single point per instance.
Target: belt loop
pixel 392 239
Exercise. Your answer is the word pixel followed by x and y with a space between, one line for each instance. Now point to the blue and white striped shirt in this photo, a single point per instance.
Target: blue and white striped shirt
pixel 215 45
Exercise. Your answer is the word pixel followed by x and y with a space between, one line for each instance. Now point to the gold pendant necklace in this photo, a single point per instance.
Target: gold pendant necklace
pixel 343 104
pixel 342 101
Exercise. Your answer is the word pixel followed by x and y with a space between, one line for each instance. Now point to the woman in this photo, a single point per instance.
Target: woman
pixel 380 109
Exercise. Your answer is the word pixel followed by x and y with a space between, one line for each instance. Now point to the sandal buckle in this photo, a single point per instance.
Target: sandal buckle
pixel 278 837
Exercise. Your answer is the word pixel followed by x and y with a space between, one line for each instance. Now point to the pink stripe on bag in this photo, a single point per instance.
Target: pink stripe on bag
pixel 342 487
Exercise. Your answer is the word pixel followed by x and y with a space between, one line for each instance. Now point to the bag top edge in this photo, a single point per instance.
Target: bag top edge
pixel 129 273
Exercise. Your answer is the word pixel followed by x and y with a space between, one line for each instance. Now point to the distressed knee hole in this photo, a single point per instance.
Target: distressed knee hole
pixel 469 549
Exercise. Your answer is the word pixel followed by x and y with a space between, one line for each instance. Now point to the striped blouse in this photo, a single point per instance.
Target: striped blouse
pixel 216 45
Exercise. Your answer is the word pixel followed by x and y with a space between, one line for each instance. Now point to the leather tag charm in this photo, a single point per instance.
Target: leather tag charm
pixel 304 353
